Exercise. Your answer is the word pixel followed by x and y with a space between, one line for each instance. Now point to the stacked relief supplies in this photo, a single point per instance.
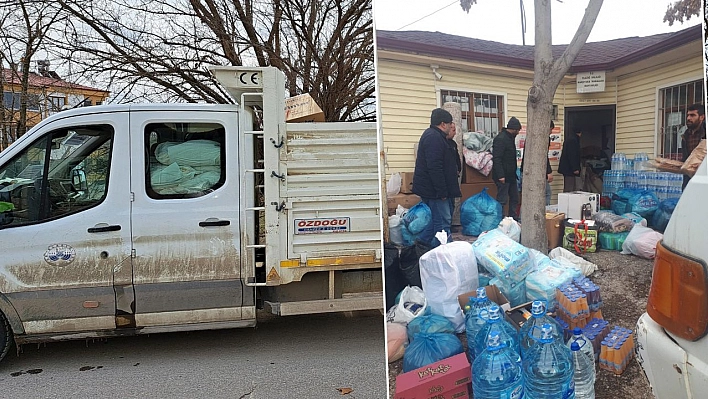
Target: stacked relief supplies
pixel 507 260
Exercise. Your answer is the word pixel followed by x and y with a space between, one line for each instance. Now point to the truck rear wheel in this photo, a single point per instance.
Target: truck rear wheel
pixel 5 336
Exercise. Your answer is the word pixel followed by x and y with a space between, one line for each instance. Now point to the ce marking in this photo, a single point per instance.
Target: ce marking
pixel 245 77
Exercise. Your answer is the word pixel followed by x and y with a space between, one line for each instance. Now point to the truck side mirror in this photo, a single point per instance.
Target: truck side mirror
pixel 78 180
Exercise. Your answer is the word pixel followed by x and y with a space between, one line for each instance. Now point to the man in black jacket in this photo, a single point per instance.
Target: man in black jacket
pixel 437 167
pixel 569 164
pixel 504 166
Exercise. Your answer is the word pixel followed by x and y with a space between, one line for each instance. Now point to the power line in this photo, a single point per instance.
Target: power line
pixel 434 12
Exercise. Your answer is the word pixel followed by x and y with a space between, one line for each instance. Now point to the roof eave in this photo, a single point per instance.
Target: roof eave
pixel 446 52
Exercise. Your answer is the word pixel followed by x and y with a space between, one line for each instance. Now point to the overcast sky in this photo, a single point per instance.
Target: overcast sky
pixel 500 20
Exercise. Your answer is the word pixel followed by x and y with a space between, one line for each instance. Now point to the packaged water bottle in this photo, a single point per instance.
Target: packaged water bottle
pixel 584 373
pixel 495 322
pixel 538 318
pixel 496 372
pixel 473 320
pixel 548 369
pixel 584 345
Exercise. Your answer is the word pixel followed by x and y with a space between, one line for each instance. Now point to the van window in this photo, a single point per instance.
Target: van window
pixel 62 173
pixel 184 160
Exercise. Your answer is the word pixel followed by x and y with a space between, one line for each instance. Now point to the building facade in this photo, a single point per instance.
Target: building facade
pixel 47 94
pixel 627 95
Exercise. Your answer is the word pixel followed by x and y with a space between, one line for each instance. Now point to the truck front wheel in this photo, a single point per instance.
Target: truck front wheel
pixel 5 336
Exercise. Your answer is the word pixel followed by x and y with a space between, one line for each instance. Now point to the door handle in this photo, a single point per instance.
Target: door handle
pixel 209 223
pixel 101 229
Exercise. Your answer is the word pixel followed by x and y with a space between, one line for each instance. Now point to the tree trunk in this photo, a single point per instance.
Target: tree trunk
pixel 547 75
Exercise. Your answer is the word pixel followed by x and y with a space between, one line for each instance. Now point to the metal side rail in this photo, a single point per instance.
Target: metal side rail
pixel 348 303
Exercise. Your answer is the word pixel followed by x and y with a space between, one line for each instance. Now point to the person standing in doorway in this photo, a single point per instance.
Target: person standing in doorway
pixel 549 171
pixel 504 166
pixel 695 132
pixel 569 164
pixel 436 171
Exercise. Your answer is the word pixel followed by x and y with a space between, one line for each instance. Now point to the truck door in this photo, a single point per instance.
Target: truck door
pixel 185 219
pixel 65 225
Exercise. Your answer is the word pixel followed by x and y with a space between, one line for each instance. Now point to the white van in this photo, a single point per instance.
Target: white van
pixel 671 336
pixel 134 219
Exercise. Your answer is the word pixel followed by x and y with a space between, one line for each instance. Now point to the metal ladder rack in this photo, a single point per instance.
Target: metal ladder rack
pixel 250 175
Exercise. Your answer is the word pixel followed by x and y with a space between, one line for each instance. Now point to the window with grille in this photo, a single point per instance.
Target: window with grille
pixel 673 102
pixel 480 112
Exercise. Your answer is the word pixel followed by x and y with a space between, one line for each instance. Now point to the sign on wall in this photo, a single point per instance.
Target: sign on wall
pixel 590 82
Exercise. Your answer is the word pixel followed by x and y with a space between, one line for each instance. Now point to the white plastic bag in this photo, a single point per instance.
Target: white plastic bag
pixel 411 304
pixel 393 186
pixel 446 272
pixel 397 340
pixel 569 259
pixel 395 234
pixel 641 241
pixel 511 228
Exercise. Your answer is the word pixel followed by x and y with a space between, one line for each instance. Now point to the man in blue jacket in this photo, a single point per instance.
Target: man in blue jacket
pixel 437 166
pixel 504 166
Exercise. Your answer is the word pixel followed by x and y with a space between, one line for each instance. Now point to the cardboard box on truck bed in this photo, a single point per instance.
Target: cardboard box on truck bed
pixel 303 108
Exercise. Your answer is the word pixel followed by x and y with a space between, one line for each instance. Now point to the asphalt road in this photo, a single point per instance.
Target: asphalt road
pixel 284 357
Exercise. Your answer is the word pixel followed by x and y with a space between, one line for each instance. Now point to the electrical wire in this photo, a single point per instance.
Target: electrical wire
pixel 434 12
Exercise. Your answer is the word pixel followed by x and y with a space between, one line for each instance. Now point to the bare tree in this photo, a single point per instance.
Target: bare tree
pixel 25 26
pixel 149 50
pixel 682 10
pixel 548 73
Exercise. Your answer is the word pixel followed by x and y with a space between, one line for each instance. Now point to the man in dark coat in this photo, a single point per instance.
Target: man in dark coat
pixel 435 178
pixel 504 166
pixel 569 164
pixel 549 171
pixel 696 130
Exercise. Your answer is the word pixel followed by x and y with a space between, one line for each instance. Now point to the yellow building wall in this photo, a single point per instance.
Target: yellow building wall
pixel 637 102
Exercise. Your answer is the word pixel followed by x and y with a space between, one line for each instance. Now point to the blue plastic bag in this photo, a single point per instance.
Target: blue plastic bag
pixel 663 214
pixel 414 222
pixel 643 202
pixel 417 218
pixel 430 323
pixel 480 213
pixel 427 349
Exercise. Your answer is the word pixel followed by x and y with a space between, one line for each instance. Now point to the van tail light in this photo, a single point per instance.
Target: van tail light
pixel 678 297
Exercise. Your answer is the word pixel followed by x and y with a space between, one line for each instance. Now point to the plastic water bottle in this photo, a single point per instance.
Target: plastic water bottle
pixel 537 319
pixel 473 320
pixel 584 373
pixel 495 323
pixel 548 369
pixel 584 344
pixel 496 373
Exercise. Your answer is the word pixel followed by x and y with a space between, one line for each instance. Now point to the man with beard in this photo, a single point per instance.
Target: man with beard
pixel 696 130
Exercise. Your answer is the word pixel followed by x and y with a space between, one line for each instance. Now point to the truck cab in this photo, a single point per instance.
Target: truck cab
pixel 133 219
pixel 671 336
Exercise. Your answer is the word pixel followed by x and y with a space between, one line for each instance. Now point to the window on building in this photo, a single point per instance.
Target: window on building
pixel 56 103
pixel 673 102
pixel 480 112
pixel 11 100
pixel 185 160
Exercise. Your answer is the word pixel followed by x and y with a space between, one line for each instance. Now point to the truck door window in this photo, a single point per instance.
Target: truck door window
pixel 184 160
pixel 62 173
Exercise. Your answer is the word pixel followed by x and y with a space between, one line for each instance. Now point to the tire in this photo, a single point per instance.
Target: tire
pixel 6 336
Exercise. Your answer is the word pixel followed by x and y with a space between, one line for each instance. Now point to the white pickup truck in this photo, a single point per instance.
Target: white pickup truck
pixel 671 336
pixel 135 219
